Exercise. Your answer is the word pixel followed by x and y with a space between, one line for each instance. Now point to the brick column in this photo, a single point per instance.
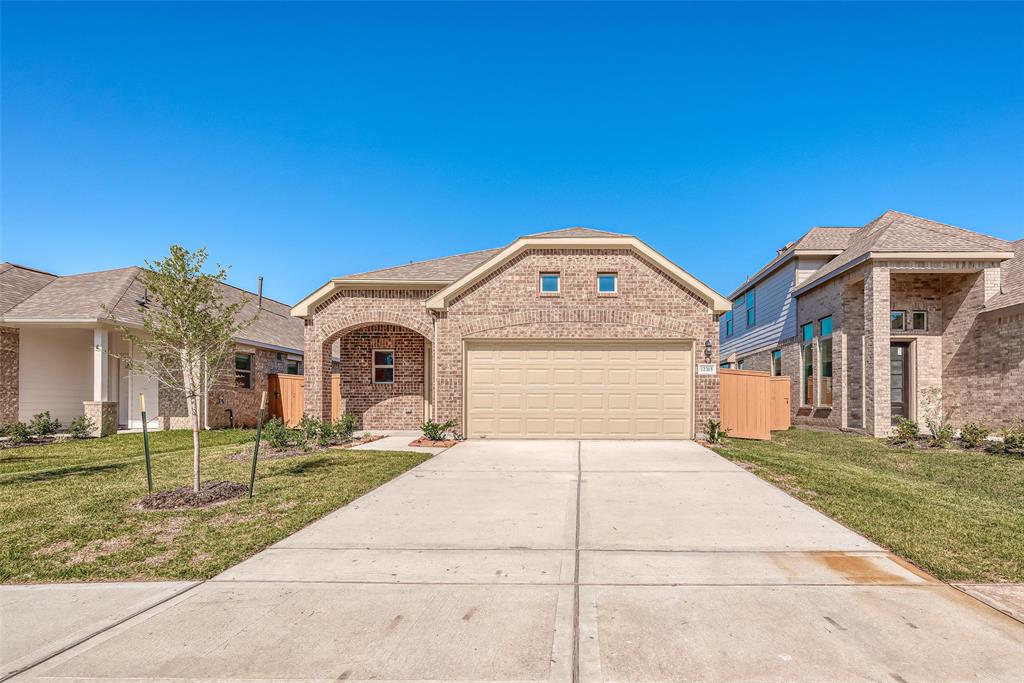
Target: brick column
pixel 877 404
pixel 316 374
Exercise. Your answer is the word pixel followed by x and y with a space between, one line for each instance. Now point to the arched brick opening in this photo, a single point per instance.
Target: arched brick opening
pixel 358 334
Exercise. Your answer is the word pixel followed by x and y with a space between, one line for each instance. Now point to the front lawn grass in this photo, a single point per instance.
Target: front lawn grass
pixel 67 510
pixel 959 515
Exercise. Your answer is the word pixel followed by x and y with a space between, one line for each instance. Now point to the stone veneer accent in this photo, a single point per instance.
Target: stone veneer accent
pixel 103 415
pixel 506 304
pixel 9 350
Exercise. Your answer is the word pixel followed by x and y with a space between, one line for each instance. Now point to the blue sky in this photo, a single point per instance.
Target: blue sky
pixel 381 134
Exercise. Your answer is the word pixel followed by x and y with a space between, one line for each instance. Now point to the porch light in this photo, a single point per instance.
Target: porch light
pixel 707 350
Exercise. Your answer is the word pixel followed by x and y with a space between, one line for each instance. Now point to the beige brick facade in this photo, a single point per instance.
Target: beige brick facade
pixel 507 304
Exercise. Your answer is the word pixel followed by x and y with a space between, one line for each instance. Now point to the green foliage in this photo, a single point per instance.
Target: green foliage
pixel 81 427
pixel 313 430
pixel 938 412
pixel 435 431
pixel 715 432
pixel 1013 437
pixel 941 435
pixel 346 426
pixel 973 434
pixel 276 432
pixel 17 433
pixel 42 424
pixel 906 431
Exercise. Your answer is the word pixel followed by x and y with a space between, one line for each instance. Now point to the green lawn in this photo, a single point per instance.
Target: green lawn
pixel 67 510
pixel 959 515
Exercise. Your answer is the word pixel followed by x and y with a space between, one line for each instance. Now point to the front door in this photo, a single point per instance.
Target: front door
pixel 898 381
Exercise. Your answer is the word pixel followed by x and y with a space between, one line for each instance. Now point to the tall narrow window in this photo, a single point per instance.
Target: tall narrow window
pixel 383 366
pixel 825 361
pixel 777 363
pixel 807 369
pixel 750 309
pixel 243 370
pixel 728 323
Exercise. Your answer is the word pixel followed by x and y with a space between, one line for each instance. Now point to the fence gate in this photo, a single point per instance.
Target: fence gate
pixel 287 397
pixel 753 403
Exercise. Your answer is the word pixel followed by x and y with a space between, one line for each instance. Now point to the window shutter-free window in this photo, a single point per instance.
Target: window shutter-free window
pixel 751 318
pixel 550 283
pixel 919 321
pixel 807 365
pixel 728 323
pixel 243 370
pixel 383 366
pixel 776 363
pixel 825 361
pixel 898 320
pixel 607 283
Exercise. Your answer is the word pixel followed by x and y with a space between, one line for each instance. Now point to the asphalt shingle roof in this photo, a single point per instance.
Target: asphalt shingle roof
pixel 1012 272
pixel 114 295
pixel 18 283
pixel 896 232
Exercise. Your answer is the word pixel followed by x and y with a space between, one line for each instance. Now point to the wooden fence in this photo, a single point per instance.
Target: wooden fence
pixel 287 397
pixel 754 403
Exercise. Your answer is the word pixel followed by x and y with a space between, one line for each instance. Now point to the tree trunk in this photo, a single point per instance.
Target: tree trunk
pixel 191 381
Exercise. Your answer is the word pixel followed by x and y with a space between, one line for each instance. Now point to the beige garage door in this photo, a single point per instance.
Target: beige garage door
pixel 603 389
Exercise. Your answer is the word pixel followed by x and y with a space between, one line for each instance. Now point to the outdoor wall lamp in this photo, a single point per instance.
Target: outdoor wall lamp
pixel 707 350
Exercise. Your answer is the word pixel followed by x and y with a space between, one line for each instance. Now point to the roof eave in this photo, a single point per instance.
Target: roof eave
pixel 776 263
pixel 439 301
pixel 905 256
pixel 305 307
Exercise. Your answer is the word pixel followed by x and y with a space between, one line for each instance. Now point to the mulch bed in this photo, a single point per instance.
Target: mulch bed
pixel 427 443
pixel 6 443
pixel 268 453
pixel 210 493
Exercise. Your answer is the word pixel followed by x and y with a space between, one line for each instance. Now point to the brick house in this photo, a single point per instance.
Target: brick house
pixel 569 333
pixel 875 322
pixel 60 351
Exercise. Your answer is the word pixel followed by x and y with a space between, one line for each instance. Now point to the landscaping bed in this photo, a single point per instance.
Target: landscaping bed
pixel 210 493
pixel 957 513
pixel 71 511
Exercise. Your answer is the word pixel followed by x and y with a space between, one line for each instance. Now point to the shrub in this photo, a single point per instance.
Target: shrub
pixel 1013 437
pixel 81 427
pixel 435 431
pixel 715 431
pixel 276 432
pixel 941 436
pixel 973 434
pixel 18 432
pixel 346 426
pixel 906 431
pixel 42 424
pixel 938 411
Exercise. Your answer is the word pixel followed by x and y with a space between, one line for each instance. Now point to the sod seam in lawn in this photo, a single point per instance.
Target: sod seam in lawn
pixel 960 515
pixel 68 509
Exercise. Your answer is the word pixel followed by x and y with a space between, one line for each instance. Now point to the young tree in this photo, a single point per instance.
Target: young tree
pixel 187 341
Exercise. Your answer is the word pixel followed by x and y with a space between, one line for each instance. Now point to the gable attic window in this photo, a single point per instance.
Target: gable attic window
pixel 750 309
pixel 607 283
pixel 550 283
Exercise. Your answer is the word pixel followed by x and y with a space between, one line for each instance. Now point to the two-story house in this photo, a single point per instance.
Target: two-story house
pixel 895 318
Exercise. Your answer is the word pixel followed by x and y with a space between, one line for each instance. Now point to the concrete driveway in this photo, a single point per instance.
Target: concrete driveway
pixel 549 561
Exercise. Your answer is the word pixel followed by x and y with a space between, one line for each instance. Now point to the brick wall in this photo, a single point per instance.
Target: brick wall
pixel 383 406
pixel 8 375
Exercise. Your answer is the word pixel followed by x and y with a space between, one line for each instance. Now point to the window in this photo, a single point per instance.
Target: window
pixel 243 370
pixel 898 320
pixel 807 366
pixel 728 323
pixel 776 363
pixel 294 367
pixel 750 308
pixel 919 321
pixel 825 361
pixel 550 283
pixel 383 366
pixel 741 364
pixel 725 366
pixel 607 283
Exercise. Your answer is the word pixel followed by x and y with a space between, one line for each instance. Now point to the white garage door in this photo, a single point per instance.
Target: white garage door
pixel 593 389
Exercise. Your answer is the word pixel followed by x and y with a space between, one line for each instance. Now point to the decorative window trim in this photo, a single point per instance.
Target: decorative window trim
pixel 383 366
pixel 558 282
pixel 615 283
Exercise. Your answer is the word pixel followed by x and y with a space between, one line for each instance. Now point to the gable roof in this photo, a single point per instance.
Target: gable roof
pixel 453 272
pixel 18 283
pixel 112 296
pixel 1012 290
pixel 820 241
pixel 894 233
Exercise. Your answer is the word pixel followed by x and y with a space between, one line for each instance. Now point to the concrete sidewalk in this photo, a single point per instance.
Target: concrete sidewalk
pixel 555 560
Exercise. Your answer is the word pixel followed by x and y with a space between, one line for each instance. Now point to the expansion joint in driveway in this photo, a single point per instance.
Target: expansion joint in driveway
pixel 576 570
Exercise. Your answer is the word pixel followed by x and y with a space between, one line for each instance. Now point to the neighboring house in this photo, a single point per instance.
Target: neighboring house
pixel 569 333
pixel 60 350
pixel 871 322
